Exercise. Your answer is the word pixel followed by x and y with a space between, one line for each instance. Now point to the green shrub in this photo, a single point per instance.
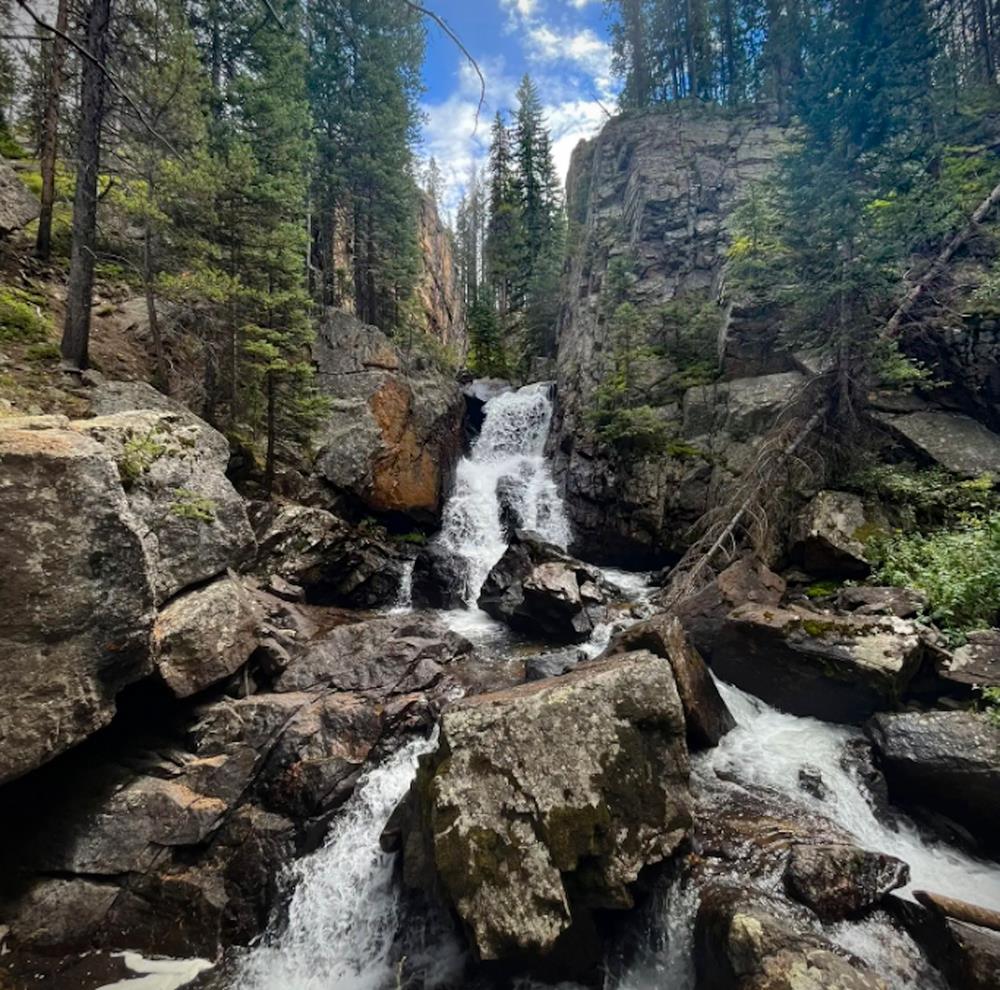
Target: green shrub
pixel 957 568
pixel 9 147
pixel 416 538
pixel 138 456
pixel 640 430
pixel 44 351
pixel 191 505
pixel 991 704
pixel 21 318
pixel 931 496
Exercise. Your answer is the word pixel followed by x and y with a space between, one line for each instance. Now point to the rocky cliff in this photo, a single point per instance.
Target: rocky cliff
pixel 656 193
pixel 438 291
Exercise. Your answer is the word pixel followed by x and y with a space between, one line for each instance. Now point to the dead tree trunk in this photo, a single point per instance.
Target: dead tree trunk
pixel 148 283
pixel 50 136
pixel 93 89
pixel 895 326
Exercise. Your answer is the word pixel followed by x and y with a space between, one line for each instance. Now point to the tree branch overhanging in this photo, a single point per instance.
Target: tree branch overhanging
pixel 444 26
pixel 109 75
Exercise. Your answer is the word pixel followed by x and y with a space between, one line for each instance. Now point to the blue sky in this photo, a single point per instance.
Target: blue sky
pixel 563 44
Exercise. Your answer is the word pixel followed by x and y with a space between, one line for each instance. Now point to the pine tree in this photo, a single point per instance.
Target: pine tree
pixel 505 230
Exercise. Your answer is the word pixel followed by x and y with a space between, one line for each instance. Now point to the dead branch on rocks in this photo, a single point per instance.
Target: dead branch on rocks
pixel 746 517
pixel 895 325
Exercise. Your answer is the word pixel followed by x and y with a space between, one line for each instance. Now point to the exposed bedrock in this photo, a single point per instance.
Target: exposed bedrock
pixel 394 432
pixel 544 803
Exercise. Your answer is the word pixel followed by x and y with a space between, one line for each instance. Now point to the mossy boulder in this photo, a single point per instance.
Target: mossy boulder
pixel 835 666
pixel 544 803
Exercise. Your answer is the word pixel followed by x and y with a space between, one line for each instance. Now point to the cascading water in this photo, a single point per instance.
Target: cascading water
pixel 346 912
pixel 505 478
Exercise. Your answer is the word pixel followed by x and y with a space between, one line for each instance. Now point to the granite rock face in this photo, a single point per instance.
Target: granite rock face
pixel 76 602
pixel 395 427
pixel 954 441
pixel 657 190
pixel 544 803
pixel 438 289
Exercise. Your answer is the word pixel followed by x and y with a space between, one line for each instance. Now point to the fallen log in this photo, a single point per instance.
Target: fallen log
pixel 972 914
pixel 895 325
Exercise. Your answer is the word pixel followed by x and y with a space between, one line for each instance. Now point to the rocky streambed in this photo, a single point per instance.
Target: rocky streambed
pixel 510 770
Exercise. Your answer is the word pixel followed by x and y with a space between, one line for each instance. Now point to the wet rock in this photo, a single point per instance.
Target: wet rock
pixel 811 781
pixel 956 442
pixel 948 762
pixel 439 579
pixel 205 635
pixel 544 803
pixel 904 603
pixel 393 655
pixel 842 881
pixel 551 664
pixel 76 601
pixel 334 562
pixel 537 588
pixel 58 915
pixel 395 428
pixel 313 746
pixel 705 713
pixel 749 941
pixel 973 957
pixel 18 205
pixel 194 523
pixel 840 668
pixel 829 536
pixel 744 582
pixel 858 759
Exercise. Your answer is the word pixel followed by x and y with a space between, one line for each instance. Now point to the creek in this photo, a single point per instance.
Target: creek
pixel 347 925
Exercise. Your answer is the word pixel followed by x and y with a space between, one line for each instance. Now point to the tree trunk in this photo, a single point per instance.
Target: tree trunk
pixel 971 914
pixel 148 278
pixel 271 431
pixel 894 327
pixel 80 290
pixel 50 134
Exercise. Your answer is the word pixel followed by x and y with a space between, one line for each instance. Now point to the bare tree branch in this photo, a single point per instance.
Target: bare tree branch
pixel 109 75
pixel 443 25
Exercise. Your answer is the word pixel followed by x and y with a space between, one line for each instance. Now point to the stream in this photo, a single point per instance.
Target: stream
pixel 346 916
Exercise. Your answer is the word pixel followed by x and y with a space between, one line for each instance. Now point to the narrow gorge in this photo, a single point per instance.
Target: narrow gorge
pixel 606 596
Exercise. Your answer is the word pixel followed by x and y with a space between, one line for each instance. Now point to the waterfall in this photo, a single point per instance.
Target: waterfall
pixel 346 910
pixel 504 480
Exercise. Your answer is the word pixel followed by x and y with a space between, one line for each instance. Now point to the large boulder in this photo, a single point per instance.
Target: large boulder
pixel 707 717
pixel 545 802
pixel 538 589
pixel 18 206
pixel 333 562
pixel 830 533
pixel 947 762
pixel 841 668
pixel 749 941
pixel 205 635
pixel 744 582
pixel 956 442
pixel 842 881
pixel 76 601
pixel 439 578
pixel 977 662
pixel 173 468
pixel 395 428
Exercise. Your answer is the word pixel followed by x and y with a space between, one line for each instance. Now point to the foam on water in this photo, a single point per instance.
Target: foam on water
pixel 506 470
pixel 158 974
pixel 346 910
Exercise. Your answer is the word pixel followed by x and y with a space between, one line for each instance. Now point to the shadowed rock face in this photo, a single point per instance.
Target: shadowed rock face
pixel 948 762
pixel 76 600
pixel 18 206
pixel 395 428
pixel 658 189
pixel 544 803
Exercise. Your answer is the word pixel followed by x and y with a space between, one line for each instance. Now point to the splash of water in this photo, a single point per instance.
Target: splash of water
pixel 346 911
pixel 506 477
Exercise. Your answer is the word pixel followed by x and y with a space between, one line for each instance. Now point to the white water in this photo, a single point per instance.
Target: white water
pixel 768 748
pixel 158 974
pixel 506 462
pixel 346 910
